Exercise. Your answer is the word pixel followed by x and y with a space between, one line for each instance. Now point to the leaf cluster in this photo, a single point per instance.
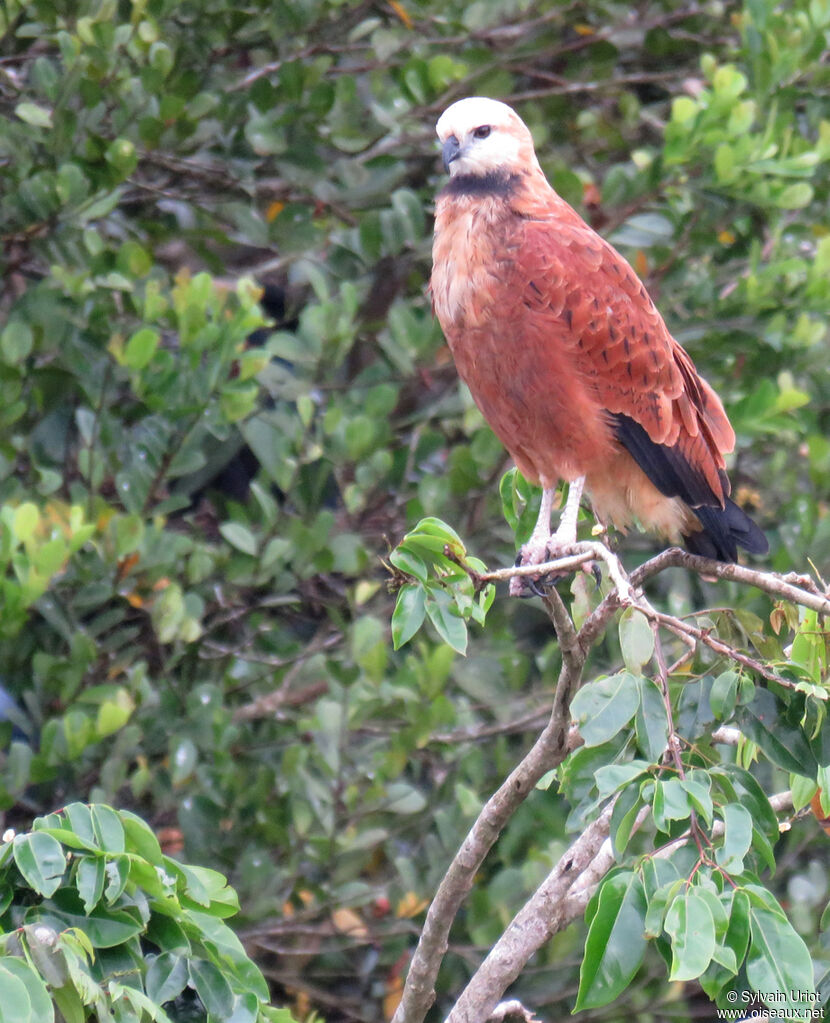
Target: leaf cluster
pixel 97 920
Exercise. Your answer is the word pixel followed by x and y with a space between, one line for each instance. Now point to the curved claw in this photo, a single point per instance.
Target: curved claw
pixel 541 585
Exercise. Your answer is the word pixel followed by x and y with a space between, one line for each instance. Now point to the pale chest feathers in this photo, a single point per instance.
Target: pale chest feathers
pixel 469 254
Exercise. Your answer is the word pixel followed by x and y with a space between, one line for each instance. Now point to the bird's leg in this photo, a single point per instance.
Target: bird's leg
pixel 565 534
pixel 542 546
pixel 538 540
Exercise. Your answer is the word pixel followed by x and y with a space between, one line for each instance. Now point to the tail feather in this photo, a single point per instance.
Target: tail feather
pixel 723 531
pixel 722 528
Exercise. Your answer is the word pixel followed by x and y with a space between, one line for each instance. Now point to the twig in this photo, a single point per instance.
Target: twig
pixel 512 1009
pixel 727 736
pixel 565 564
pixel 799 589
pixel 579 554
pixel 268 704
pixel 779 802
pixel 718 645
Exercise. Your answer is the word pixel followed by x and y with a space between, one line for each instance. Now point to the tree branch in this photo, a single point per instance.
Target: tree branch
pixel 800 589
pixel 543 915
pixel 565 892
pixel 559 900
pixel 549 750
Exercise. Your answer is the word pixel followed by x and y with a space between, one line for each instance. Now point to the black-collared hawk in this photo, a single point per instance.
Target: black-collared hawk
pixel 567 356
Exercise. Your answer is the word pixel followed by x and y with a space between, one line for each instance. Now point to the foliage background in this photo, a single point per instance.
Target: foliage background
pixel 217 657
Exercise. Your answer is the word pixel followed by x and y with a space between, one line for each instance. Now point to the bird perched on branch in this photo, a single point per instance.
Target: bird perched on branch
pixel 567 356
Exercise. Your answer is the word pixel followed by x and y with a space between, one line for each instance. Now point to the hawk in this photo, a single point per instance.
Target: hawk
pixel 567 356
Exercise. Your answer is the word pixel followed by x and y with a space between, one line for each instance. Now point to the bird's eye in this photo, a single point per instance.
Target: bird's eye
pixel 482 132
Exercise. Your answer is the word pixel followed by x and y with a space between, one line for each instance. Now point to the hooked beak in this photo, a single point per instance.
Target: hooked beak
pixel 451 150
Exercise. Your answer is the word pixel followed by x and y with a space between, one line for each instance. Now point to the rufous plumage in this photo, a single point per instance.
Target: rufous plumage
pixel 567 356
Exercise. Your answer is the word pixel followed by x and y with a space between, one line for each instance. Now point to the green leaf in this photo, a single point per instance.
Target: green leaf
pixel 795 196
pixel 743 788
pixel 809 649
pixel 79 818
pixel 408 616
pixel 694 714
pixel 698 789
pixel 440 608
pixel 671 802
pixel 141 348
pixel 643 230
pixel 651 724
pixel 240 537
pixel 139 838
pixel 802 789
pixel 166 977
pixel 69 1003
pixel 636 639
pixel 183 759
pixel 724 695
pixel 16 341
pixel 41 860
pixel 105 928
pixel 15 1004
pixel 409 562
pixel 763 848
pixel 610 777
pixel 138 1001
pixel 440 531
pixel 623 816
pixel 736 941
pixel 114 712
pixel 765 723
pixel 778 961
pixel 211 987
pixel 168 935
pixel 604 707
pixel 34 114
pixel 517 503
pixel 683 109
pixel 213 889
pixel 42 1010
pixel 691 926
pixel 89 880
pixel 616 943
pixel 108 828
pixel 46 954
pixel 737 838
pixel 25 521
pixel 659 901
pixel 117 872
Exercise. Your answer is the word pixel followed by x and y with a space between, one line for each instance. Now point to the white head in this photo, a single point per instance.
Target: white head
pixel 484 136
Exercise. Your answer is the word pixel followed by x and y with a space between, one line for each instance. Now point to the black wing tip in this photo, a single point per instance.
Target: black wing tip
pixel 723 531
pixel 667 469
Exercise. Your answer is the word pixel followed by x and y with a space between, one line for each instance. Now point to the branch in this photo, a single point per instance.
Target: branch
pixel 560 899
pixel 779 802
pixel 549 750
pixel 548 911
pixel 579 554
pixel 726 736
pixel 718 645
pixel 799 589
pixel 567 889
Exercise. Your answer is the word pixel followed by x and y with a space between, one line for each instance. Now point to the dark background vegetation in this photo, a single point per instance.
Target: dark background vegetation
pixel 199 490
